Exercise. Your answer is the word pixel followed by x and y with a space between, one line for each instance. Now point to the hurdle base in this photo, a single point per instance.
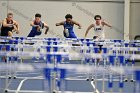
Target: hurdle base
pixel 126 80
pixel 87 79
pixel 132 80
pixel 6 90
pixel 92 79
pixel 9 77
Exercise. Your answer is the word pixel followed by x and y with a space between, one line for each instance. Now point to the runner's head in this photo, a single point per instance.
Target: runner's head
pixel 68 18
pixel 37 17
pixel 10 16
pixel 97 18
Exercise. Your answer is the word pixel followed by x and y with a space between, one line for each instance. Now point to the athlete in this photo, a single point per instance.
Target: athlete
pixel 9 26
pixel 37 26
pixel 98 28
pixel 68 25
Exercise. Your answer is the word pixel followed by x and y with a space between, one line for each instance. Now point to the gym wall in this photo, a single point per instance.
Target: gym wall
pixel 112 11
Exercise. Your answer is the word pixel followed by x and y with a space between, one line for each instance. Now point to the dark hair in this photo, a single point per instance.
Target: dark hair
pixel 9 14
pixel 97 16
pixel 38 15
pixel 68 16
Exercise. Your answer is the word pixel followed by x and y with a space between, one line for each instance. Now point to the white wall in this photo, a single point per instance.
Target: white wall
pixel 54 11
pixel 134 19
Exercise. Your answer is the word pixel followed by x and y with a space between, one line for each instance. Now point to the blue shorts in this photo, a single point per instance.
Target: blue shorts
pixel 34 33
pixel 71 35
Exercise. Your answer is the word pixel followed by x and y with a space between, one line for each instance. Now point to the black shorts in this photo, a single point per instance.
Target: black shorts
pixel 4 32
pixel 34 33
pixel 95 37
